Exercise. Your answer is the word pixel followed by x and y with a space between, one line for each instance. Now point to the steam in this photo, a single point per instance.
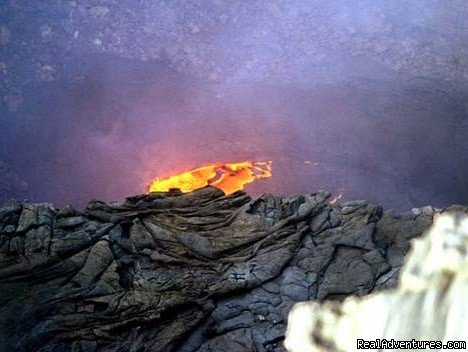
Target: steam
pixel 373 95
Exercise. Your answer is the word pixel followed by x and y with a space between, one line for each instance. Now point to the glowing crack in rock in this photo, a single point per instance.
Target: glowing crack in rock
pixel 229 177
pixel 336 198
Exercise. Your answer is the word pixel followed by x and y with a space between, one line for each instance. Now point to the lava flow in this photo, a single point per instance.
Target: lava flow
pixel 229 177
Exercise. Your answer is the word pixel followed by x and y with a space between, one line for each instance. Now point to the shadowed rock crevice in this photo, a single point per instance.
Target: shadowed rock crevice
pixel 187 272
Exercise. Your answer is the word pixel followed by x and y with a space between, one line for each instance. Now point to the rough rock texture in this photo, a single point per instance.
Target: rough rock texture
pixel 187 272
pixel 428 305
pixel 238 40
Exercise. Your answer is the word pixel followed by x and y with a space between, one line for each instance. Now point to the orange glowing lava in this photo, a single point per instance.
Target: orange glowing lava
pixel 229 177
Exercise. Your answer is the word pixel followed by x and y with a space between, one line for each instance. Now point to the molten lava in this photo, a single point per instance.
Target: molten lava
pixel 229 177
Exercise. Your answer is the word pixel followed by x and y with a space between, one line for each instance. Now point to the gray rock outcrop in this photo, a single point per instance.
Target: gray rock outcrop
pixel 187 272
pixel 428 305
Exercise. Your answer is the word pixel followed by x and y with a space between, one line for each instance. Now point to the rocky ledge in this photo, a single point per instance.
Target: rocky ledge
pixel 188 272
pixel 427 310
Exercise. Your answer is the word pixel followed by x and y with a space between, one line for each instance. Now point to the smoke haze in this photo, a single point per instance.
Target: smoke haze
pixel 369 99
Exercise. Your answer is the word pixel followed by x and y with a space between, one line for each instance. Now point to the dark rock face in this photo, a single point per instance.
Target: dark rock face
pixel 428 304
pixel 187 272
pixel 216 40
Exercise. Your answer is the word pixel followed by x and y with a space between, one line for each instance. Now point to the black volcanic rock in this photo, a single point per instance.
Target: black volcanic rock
pixel 187 272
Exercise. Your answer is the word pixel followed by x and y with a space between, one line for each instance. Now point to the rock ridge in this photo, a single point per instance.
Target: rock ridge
pixel 199 271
